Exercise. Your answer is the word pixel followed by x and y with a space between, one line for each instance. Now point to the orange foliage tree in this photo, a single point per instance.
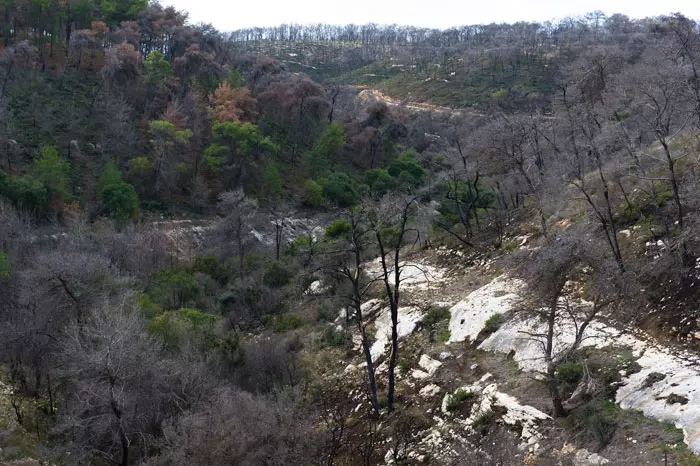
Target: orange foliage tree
pixel 234 104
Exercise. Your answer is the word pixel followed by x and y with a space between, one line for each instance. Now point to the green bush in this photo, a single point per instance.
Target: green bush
pixel 313 194
pixel 441 333
pixel 271 182
pixel 196 318
pixel 212 266
pixel 338 229
pixel 407 170
pixel 185 325
pixel 341 189
pixel 24 192
pixel 435 315
pixel 276 275
pixel 121 200
pixel 110 175
pixel 230 349
pixel 157 68
pixel 5 270
pixel 164 326
pixel 405 365
pixel 569 372
pixel 437 321
pixel 460 397
pixel 173 289
pixel 148 307
pixel 287 322
pixel 484 421
pixel 379 181
pixel 493 323
pixel 53 172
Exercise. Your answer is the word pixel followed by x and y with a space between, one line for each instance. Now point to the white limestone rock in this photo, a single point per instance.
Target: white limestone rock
pixel 469 316
pixel 429 364
pixel 429 391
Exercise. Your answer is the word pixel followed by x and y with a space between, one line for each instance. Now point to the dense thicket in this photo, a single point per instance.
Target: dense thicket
pixel 126 344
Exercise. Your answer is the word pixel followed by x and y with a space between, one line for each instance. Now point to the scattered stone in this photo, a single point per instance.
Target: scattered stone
pixel 429 364
pixel 445 355
pixel 350 368
pixel 316 288
pixel 429 391
pixel 419 374
pixel 585 458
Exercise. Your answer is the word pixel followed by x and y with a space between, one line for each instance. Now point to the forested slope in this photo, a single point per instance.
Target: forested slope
pixel 204 235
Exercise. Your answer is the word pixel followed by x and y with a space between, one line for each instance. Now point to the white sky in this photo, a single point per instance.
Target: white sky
pixel 227 15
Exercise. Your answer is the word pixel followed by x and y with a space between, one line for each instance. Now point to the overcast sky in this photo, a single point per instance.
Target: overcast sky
pixel 227 15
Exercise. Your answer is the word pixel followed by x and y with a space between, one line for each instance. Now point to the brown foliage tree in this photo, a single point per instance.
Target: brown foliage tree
pixel 234 104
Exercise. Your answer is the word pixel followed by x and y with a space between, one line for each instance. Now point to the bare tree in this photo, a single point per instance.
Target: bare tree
pixel 235 427
pixel 391 224
pixel 238 211
pixel 555 276
pixel 663 108
pixel 517 142
pixel 354 237
pixel 115 388
pixel 588 151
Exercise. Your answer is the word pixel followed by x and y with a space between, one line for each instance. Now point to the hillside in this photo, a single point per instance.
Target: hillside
pixel 347 245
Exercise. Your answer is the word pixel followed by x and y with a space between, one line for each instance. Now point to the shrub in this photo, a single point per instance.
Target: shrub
pixel 437 321
pixel 53 172
pixel 569 372
pixel 341 189
pixel 185 324
pixel 434 315
pixel 407 170
pixel 405 365
pixel 493 323
pixel 379 181
pixel 313 194
pixel 338 229
pixel 110 174
pixel 5 270
pixel 334 337
pixel 121 200
pixel 599 422
pixel 271 186
pixel 196 318
pixel 157 68
pixel 326 313
pixel 442 333
pixel 173 288
pixel 212 266
pixel 287 322
pixel 165 327
pixel 229 348
pixel 148 307
pixel 276 275
pixel 484 421
pixel 460 397
pixel 24 192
